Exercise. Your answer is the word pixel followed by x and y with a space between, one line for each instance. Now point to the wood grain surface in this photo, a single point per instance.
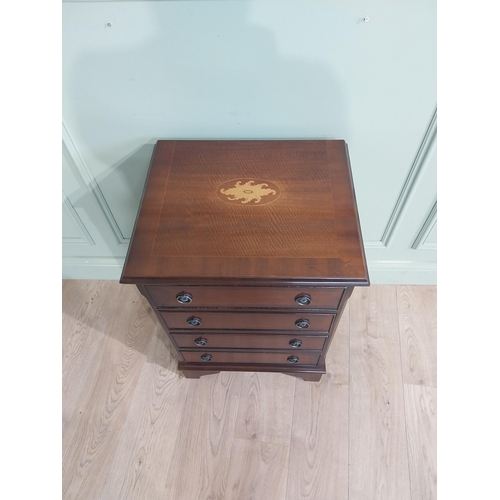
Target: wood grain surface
pixel 135 428
pixel 378 454
pixel 201 456
pixel 140 467
pixel 318 467
pixel 251 321
pixel 266 408
pixel 184 229
pixel 417 327
pixel 248 340
pixel 92 434
pixel 83 306
pixel 420 410
pixel 258 470
pixel 246 296
pixel 242 358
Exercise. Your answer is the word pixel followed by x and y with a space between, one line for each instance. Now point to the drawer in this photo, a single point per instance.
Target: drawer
pixel 279 358
pixel 247 321
pixel 248 341
pixel 232 296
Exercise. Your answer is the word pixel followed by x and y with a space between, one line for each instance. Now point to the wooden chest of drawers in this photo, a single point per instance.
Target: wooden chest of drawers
pixel 248 251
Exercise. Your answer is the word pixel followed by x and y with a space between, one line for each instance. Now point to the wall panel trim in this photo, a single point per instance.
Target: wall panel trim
pixel 91 182
pixel 86 238
pixel 420 160
pixel 378 245
pixel 420 242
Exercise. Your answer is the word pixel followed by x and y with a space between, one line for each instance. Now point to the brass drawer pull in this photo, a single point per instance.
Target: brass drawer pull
pixel 303 300
pixel 184 298
pixel 302 323
pixel 206 357
pixel 295 343
pixel 293 359
pixel 193 321
pixel 201 341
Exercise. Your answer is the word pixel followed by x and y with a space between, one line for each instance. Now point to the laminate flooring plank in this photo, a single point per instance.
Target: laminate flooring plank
pixel 258 471
pixel 266 408
pixel 134 429
pixel 318 468
pixel 337 358
pixel 83 306
pixel 200 463
pixel 90 308
pixel 417 327
pixel 147 440
pixel 90 439
pixel 420 405
pixel 378 453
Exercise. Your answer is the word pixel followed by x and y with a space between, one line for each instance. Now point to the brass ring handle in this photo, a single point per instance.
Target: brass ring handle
pixel 302 323
pixel 184 298
pixel 193 321
pixel 303 300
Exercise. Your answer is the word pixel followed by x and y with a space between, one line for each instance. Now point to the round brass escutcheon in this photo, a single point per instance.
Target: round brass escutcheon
pixel 302 323
pixel 194 321
pixel 303 300
pixel 184 298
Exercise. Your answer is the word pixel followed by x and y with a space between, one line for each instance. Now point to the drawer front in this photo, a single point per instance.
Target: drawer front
pixel 248 321
pixel 278 358
pixel 229 340
pixel 231 296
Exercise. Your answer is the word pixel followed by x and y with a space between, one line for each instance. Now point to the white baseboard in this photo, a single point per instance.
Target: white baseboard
pixel 395 272
pixel 92 268
pixel 382 272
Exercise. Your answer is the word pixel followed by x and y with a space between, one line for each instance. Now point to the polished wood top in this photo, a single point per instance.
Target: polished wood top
pixel 247 210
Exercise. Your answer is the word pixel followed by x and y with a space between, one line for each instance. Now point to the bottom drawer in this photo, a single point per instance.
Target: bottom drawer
pixel 278 358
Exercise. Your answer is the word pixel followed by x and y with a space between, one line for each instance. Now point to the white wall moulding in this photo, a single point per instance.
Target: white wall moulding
pixel 423 153
pixel 402 272
pixel 82 236
pixel 374 245
pixel 422 240
pixel 92 268
pixel 91 183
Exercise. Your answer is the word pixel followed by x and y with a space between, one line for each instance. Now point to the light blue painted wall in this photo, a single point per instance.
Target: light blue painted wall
pixel 251 70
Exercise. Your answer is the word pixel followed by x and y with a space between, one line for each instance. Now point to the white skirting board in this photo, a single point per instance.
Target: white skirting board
pixel 392 272
pixel 92 268
pixel 381 272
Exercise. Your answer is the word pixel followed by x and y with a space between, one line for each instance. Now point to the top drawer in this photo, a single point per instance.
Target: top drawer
pixel 233 296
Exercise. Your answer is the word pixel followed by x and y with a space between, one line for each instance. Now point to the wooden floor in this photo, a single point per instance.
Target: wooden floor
pixel 134 428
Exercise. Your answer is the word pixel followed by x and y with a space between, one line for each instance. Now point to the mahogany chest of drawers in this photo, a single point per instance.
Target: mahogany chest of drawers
pixel 248 251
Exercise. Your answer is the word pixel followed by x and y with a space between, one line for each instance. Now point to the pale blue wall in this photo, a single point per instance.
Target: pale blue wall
pixel 252 70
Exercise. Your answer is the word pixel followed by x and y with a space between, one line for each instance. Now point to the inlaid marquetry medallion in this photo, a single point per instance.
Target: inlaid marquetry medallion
pixel 248 192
